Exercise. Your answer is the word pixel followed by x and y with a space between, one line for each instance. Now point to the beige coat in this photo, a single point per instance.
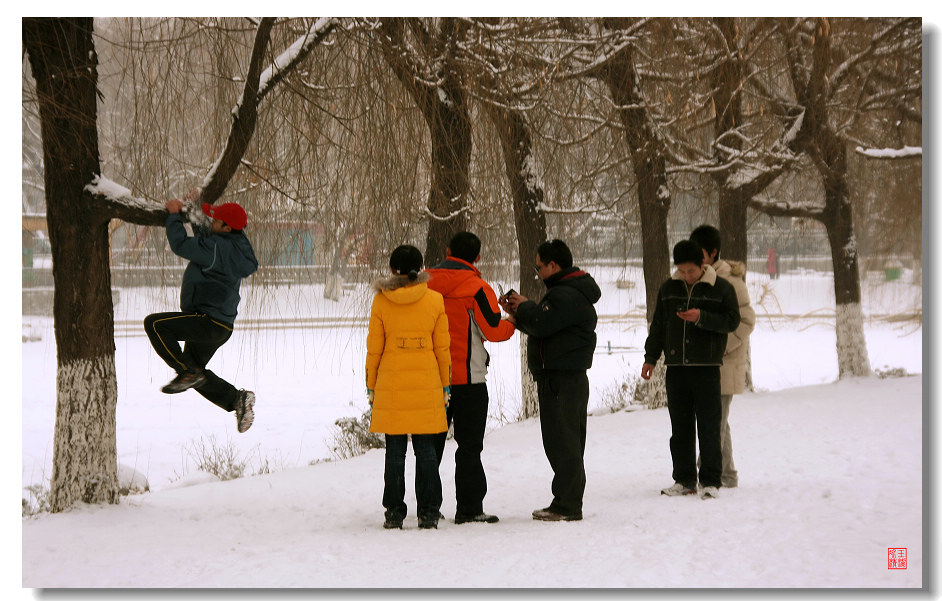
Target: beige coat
pixel 733 370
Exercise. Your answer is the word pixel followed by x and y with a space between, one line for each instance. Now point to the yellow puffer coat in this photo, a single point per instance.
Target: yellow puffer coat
pixel 408 362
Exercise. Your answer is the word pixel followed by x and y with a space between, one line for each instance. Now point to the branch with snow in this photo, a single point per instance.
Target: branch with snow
pixel 906 152
pixel 447 217
pixel 295 53
pixel 123 205
pixel 585 209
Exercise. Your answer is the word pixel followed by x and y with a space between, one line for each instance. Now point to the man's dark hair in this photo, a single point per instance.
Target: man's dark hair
pixel 465 246
pixel 708 237
pixel 556 251
pixel 688 251
pixel 406 260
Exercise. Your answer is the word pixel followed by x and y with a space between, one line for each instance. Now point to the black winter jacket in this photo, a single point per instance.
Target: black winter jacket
pixel 561 328
pixel 218 262
pixel 686 343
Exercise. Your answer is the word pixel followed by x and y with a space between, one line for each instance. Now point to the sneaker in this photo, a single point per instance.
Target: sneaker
pixel 392 524
pixel 709 492
pixel 549 515
pixel 245 414
pixel 427 523
pixel 184 381
pixel 464 518
pixel 677 489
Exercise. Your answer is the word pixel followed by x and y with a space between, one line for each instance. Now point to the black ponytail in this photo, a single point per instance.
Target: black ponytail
pixel 406 260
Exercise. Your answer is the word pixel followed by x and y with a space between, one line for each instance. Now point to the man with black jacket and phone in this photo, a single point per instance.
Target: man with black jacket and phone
pixel 560 343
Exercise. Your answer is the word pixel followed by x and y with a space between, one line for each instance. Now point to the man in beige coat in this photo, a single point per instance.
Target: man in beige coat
pixel 733 370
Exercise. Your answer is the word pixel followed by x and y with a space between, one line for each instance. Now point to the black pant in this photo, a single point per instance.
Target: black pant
pixel 693 401
pixel 203 336
pixel 468 411
pixel 564 400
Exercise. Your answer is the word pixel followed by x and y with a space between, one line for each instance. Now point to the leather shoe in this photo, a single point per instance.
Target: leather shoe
pixel 463 518
pixel 548 515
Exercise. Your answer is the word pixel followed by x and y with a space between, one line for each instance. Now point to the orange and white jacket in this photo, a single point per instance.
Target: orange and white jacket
pixel 473 316
pixel 407 360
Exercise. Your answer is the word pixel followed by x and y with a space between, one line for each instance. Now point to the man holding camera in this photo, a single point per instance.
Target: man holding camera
pixel 473 316
pixel 560 344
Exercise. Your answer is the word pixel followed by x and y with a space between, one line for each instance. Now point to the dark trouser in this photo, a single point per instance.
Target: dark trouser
pixel 693 401
pixel 564 400
pixel 203 335
pixel 468 410
pixel 428 484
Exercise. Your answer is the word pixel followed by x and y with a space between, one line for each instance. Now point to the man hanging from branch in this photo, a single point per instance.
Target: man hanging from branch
pixel 209 299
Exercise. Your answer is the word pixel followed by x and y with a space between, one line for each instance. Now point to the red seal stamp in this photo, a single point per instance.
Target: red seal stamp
pixel 896 558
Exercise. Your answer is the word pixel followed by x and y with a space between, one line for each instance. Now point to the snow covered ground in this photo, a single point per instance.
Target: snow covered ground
pixel 831 473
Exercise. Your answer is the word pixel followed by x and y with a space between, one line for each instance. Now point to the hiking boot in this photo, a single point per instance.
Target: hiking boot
pixel 709 492
pixel 428 522
pixel 550 515
pixel 677 489
pixel 392 524
pixel 245 414
pixel 184 381
pixel 464 518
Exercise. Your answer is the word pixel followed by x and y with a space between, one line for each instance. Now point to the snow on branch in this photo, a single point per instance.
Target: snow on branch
pixel 448 217
pixel 123 205
pixel 295 53
pixel 890 153
pixel 586 209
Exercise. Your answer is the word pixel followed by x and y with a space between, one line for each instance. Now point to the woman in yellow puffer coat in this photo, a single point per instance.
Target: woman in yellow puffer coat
pixel 408 374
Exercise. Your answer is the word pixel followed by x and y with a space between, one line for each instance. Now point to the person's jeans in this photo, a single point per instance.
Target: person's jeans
pixel 428 483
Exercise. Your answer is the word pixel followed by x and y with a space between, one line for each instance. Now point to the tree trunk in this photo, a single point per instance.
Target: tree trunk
pixel 852 356
pixel 727 104
pixel 529 222
pixel 64 63
pixel 649 165
pixel 733 224
pixel 830 157
pixel 654 199
pixel 449 125
pixel 444 105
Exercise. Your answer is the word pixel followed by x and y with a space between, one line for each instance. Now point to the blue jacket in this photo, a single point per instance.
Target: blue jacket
pixel 218 262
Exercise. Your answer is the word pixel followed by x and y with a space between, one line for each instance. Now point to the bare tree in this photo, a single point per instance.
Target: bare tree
pixel 79 205
pixel 839 72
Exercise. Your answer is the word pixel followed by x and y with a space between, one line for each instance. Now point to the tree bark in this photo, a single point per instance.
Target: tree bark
pixel 727 103
pixel 65 66
pixel 830 157
pixel 529 222
pixel 444 105
pixel 649 166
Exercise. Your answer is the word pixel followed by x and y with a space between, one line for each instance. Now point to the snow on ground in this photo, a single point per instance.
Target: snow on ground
pixel 830 479
pixel 831 473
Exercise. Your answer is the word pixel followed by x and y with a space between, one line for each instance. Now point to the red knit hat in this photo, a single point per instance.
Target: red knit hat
pixel 229 213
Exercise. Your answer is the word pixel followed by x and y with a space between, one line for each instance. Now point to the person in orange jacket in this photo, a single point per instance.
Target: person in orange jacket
pixel 473 316
pixel 408 374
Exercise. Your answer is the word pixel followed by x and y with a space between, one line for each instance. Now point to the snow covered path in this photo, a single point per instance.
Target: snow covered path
pixel 830 478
